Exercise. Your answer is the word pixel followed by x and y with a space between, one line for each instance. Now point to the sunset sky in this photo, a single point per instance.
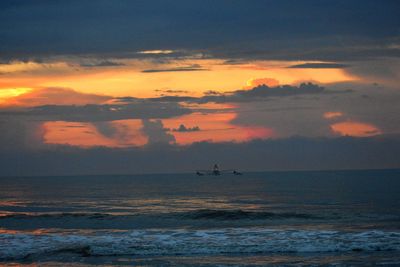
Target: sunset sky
pixel 98 87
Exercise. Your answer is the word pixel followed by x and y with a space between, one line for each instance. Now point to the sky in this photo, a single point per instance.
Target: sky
pixel 120 87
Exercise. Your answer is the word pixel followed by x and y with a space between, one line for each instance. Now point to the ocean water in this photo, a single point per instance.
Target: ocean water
pixel 324 218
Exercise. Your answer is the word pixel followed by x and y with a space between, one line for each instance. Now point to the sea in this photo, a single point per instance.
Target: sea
pixel 298 218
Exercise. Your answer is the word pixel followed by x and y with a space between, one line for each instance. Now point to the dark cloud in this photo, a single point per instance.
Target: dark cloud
pixel 258 93
pixel 283 154
pixel 156 133
pixel 122 134
pixel 183 128
pixel 96 113
pixel 175 98
pixel 194 67
pixel 284 90
pixel 171 91
pixel 318 66
pixel 126 99
pixel 304 115
pixel 385 71
pixel 212 92
pixel 104 63
pixel 106 128
pixel 21 135
pixel 258 29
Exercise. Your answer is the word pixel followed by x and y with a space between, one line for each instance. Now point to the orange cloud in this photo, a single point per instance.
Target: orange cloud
pixel 332 114
pixel 357 129
pixel 129 80
pixel 214 127
pixel 262 81
pixel 51 96
pixel 126 133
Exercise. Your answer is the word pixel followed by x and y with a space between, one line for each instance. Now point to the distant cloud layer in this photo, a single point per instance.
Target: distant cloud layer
pixel 103 63
pixel 177 69
pixel 260 92
pixel 105 112
pixel 336 30
pixel 286 154
pixel 318 66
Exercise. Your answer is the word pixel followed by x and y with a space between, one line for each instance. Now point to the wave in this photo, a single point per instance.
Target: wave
pixel 195 242
pixel 57 215
pixel 241 214
pixel 210 214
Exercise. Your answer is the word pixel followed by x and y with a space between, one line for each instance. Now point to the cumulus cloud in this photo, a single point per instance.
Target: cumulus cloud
pixel 122 133
pixel 183 128
pixel 156 133
pixel 261 81
pixel 255 94
pixel 258 93
pixel 212 92
pixel 171 91
pixel 284 90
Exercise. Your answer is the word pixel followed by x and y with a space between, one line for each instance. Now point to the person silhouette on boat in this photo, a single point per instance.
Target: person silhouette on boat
pixel 216 170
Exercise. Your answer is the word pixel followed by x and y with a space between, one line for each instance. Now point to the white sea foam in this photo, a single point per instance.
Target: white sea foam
pixel 194 242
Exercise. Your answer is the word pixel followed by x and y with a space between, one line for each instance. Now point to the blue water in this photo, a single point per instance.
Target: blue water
pixel 257 219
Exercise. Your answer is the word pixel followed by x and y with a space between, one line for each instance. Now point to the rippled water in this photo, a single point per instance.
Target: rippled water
pixel 273 218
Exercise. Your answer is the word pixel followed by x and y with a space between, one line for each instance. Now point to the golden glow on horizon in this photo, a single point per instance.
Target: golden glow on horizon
pixel 128 80
pixel 356 129
pixel 12 92
pixel 50 96
pixel 261 81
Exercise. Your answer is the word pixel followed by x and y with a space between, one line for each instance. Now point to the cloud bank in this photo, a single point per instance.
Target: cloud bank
pixel 286 154
pixel 254 30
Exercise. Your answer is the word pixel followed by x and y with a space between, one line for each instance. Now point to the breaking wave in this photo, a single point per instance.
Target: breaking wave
pixel 57 215
pixel 240 214
pixel 195 242
pixel 210 214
